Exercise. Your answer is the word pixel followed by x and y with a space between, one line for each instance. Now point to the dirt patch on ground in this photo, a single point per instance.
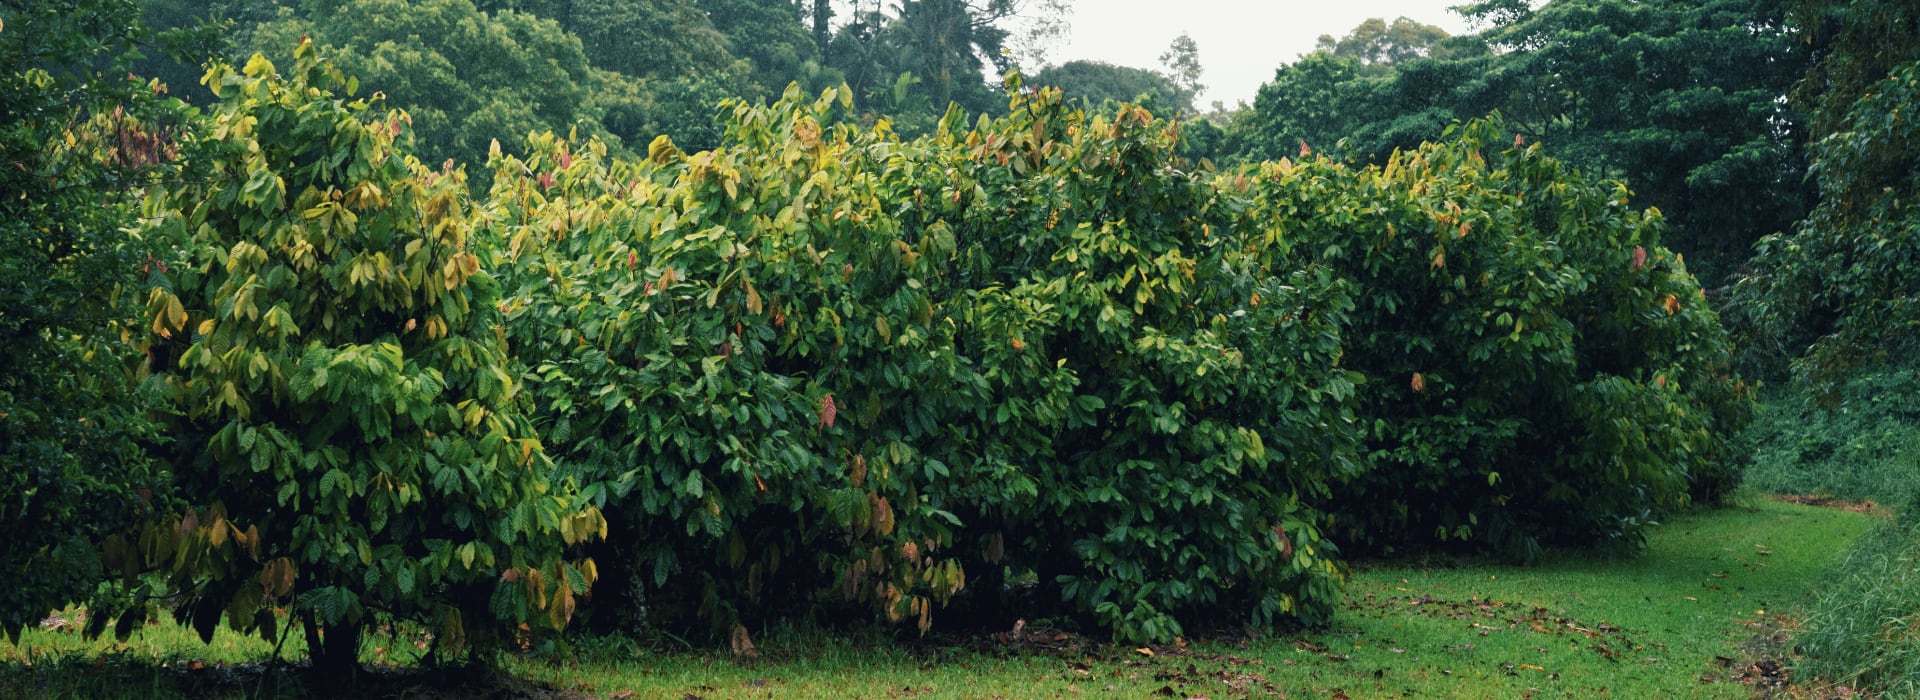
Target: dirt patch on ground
pixel 1766 665
pixel 1820 501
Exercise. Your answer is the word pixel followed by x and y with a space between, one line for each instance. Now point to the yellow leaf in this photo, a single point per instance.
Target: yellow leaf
pixel 560 611
pixel 1144 650
pixel 177 315
pixel 662 149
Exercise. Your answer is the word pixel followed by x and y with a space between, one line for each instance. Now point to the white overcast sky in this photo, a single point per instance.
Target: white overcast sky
pixel 1241 42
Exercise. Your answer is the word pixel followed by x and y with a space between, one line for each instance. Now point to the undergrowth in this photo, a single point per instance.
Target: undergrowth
pixel 1864 446
pixel 1864 629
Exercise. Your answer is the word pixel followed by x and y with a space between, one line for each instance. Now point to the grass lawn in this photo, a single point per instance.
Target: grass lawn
pixel 1670 623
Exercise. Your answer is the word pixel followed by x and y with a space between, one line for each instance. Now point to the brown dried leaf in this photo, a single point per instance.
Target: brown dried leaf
pixel 741 643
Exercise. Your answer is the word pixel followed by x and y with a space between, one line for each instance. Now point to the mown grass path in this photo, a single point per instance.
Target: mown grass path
pixel 1670 623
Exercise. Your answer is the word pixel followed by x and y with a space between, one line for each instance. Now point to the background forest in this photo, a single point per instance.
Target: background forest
pixel 692 314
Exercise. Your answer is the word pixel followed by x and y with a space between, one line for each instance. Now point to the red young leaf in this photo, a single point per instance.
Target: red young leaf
pixel 827 411
pixel 1639 257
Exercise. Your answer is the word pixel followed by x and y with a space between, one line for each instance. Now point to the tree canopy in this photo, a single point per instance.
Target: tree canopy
pixel 1684 99
pixel 1837 291
pixel 1095 82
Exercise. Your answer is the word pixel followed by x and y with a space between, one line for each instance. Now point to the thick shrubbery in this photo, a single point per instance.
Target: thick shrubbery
pixel 1539 369
pixel 344 430
pixel 77 137
pixel 825 366
pixel 823 371
pixel 1864 446
pixel 821 366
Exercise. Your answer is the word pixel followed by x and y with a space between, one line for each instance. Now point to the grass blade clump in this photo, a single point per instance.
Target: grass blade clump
pixel 1862 632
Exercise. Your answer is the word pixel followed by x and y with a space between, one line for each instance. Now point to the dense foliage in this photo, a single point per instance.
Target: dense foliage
pixel 1837 293
pixel 344 424
pixel 1540 369
pixel 471 71
pixel 464 77
pixel 857 357
pixel 1096 82
pixel 1859 441
pixel 1684 99
pixel 822 365
pixel 73 434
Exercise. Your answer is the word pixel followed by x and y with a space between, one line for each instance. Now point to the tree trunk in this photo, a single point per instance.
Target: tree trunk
pixel 822 33
pixel 334 652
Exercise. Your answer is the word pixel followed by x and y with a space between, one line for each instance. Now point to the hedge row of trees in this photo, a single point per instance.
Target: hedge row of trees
pixel 825 368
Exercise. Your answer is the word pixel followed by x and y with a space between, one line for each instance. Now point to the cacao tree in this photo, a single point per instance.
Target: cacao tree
pixel 345 427
pixel 820 368
pixel 1539 369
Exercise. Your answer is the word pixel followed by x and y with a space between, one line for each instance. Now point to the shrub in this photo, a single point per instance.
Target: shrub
pixel 821 366
pixel 1539 369
pixel 344 432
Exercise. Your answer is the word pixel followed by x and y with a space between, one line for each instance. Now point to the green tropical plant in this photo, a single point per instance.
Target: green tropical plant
pixel 1835 295
pixel 345 428
pixel 820 367
pixel 1539 369
pixel 75 145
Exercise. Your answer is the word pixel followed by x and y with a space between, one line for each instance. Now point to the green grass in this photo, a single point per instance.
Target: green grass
pixel 1864 628
pixel 1574 625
